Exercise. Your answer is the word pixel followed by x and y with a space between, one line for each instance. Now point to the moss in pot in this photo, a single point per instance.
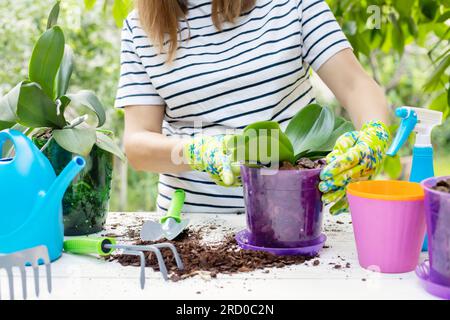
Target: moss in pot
pixel 283 202
pixel 60 124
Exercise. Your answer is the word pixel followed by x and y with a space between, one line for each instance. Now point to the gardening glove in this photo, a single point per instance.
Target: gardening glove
pixel 209 154
pixel 357 156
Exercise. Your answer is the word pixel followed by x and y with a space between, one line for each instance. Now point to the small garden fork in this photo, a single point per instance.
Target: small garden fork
pixel 106 246
pixel 30 257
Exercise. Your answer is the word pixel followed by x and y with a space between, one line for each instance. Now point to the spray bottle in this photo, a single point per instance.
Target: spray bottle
pixel 422 122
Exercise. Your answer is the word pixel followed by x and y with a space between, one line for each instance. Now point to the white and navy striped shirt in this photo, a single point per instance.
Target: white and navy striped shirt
pixel 255 69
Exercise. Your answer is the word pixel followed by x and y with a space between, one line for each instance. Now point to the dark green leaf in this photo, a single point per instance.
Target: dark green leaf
pixel 35 109
pixel 106 143
pixel 78 141
pixel 429 8
pixel 53 16
pixel 46 59
pixel 412 27
pixel 310 128
pixel 64 73
pixel 88 99
pixel 8 108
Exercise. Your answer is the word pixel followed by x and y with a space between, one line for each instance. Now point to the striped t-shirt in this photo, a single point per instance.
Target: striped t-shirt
pixel 255 69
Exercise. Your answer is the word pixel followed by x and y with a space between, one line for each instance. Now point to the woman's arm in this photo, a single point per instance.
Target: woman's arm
pixel 146 147
pixel 358 93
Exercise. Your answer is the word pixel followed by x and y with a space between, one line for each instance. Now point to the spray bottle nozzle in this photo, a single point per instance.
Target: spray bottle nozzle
pixel 409 121
pixel 422 121
pixel 401 112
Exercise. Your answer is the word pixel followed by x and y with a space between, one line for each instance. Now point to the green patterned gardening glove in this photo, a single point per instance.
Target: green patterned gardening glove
pixel 357 156
pixel 209 154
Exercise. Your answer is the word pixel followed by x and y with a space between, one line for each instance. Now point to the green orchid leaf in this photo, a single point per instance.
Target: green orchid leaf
pixel 256 143
pixel 46 59
pixel 341 126
pixel 35 109
pixel 106 143
pixel 8 108
pixel 316 155
pixel 77 141
pixel 54 15
pixel 64 73
pixel 310 128
pixel 88 99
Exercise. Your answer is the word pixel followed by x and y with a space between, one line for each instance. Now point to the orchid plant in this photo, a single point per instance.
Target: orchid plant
pixel 42 102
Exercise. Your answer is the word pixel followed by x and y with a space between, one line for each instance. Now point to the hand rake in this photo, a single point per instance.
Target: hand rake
pixel 30 257
pixel 106 246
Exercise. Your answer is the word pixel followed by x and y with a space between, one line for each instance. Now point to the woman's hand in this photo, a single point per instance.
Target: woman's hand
pixel 357 155
pixel 209 154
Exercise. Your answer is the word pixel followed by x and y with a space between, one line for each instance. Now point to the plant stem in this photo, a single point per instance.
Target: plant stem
pixel 46 144
pixel 72 125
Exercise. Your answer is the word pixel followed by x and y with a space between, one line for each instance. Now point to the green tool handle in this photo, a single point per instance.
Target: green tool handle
pixel 176 205
pixel 87 245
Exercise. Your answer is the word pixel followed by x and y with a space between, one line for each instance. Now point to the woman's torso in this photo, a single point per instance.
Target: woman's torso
pixel 252 70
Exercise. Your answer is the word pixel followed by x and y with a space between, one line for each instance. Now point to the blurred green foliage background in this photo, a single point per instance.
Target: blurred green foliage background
pixel 403 44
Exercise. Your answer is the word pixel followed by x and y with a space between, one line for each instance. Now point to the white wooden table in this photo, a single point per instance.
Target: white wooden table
pixel 78 277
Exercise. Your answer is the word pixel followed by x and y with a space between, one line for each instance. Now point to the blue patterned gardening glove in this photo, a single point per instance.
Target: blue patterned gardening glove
pixel 209 154
pixel 357 156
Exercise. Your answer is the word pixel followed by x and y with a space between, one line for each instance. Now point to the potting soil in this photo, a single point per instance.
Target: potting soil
pixel 443 186
pixel 199 258
pixel 303 164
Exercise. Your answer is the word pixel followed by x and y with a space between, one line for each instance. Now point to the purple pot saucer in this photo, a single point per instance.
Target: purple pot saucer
pixel 242 239
pixel 440 291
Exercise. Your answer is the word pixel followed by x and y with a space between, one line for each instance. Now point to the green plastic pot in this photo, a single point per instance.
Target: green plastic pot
pixel 86 201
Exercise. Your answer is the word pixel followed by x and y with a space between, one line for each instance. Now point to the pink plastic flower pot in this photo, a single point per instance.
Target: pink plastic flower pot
pixel 389 224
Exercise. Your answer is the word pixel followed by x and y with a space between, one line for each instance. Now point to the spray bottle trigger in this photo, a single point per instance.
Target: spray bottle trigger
pixel 407 125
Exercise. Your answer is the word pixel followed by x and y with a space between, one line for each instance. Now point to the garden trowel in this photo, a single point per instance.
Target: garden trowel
pixel 171 225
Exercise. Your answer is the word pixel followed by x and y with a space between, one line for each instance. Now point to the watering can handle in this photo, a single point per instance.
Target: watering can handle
pixel 21 142
pixel 15 137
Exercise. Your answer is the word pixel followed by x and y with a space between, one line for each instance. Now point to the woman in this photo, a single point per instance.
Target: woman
pixel 191 66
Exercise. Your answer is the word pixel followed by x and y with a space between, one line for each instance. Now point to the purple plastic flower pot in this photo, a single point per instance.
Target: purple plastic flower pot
pixel 437 211
pixel 284 207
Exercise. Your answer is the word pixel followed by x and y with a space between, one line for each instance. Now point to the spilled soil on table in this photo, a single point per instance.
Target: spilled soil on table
pixel 199 258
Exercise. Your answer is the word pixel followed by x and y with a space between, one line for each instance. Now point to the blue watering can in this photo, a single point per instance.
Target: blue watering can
pixel 31 197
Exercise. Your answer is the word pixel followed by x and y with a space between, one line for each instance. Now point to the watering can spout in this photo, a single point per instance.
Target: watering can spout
pixel 62 182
